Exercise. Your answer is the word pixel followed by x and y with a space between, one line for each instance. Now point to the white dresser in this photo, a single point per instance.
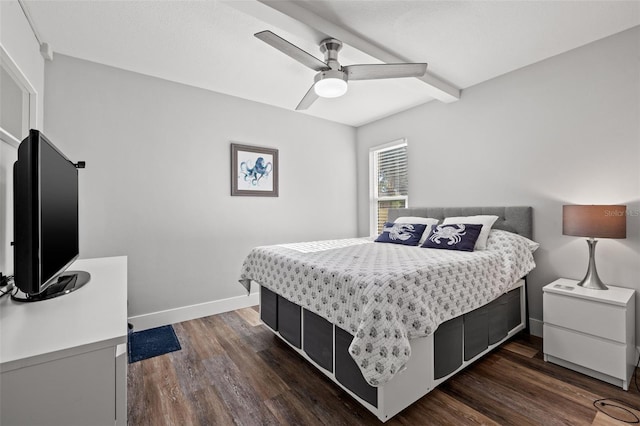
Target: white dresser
pixel 590 331
pixel 63 361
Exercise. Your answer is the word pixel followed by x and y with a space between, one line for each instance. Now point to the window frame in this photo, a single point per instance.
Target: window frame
pixel 30 99
pixel 374 199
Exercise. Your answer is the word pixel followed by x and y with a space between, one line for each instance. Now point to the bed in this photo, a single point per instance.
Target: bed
pixel 386 322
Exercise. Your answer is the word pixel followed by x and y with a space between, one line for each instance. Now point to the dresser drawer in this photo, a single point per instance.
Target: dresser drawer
pixel 588 316
pixel 591 352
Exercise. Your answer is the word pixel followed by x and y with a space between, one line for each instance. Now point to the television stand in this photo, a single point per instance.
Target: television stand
pixel 64 361
pixel 67 282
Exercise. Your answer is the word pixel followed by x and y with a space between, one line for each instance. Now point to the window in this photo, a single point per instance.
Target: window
pixel 17 103
pixel 389 181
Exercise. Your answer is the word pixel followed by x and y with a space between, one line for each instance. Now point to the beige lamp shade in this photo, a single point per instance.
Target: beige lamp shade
pixel 594 221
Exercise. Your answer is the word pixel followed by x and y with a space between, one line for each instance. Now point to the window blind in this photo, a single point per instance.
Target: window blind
pixel 392 172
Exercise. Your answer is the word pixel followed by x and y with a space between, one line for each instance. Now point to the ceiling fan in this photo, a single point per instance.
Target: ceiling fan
pixel 331 78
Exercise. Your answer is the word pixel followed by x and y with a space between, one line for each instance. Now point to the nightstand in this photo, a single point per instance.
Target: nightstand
pixel 590 331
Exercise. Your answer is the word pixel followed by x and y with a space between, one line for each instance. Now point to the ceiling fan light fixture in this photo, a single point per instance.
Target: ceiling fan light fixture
pixel 330 88
pixel 330 84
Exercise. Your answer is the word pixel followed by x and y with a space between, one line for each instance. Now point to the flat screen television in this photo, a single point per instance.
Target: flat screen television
pixel 46 241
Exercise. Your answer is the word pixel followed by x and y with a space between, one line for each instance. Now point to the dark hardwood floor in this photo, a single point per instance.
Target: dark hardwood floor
pixel 232 370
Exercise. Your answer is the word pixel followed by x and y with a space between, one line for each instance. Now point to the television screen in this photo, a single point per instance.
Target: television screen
pixel 45 220
pixel 58 211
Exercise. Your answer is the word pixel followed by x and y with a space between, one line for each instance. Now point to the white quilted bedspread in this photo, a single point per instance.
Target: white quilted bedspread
pixel 387 294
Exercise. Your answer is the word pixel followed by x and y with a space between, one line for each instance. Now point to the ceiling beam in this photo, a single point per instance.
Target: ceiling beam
pixel 293 18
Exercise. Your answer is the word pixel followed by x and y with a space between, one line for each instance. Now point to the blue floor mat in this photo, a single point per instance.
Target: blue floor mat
pixel 153 342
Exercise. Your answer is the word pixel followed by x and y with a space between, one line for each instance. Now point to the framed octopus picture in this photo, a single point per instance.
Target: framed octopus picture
pixel 254 171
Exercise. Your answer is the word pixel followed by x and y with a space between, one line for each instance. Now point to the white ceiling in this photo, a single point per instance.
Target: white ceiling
pixel 210 44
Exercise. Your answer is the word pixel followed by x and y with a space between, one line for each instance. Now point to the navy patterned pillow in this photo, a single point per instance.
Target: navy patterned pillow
pixel 401 233
pixel 456 236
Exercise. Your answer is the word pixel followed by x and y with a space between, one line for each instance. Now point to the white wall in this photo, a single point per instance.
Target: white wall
pixel 20 44
pixel 562 131
pixel 157 182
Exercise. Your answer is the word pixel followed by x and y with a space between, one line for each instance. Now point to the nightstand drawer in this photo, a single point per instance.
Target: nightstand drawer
pixel 591 352
pixel 588 316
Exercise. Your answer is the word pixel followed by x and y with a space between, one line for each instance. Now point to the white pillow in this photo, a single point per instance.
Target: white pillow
pixel 486 221
pixel 419 220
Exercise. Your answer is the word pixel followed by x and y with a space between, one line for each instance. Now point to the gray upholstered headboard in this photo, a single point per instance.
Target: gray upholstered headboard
pixel 518 219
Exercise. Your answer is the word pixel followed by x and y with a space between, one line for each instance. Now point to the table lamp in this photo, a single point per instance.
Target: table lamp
pixel 594 222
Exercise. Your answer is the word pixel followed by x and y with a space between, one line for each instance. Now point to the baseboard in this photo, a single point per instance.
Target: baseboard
pixel 186 313
pixel 535 327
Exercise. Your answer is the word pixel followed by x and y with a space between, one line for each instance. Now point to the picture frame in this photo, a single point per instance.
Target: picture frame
pixel 254 171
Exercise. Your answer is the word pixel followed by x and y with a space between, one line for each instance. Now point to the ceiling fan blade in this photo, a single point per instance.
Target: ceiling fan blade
pixel 308 99
pixel 375 71
pixel 292 50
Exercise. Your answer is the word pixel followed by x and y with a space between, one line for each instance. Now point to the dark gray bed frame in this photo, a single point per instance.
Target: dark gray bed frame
pixel 455 344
